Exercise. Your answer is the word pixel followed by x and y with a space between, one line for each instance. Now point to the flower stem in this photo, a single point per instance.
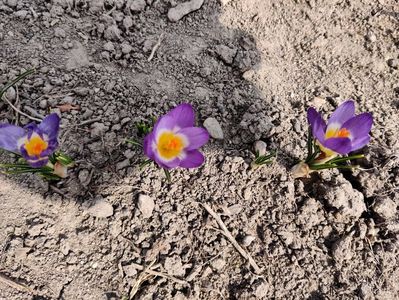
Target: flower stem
pixel 16 80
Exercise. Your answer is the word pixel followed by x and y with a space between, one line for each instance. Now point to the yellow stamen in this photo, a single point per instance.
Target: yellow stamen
pixel 35 146
pixel 170 145
pixel 334 133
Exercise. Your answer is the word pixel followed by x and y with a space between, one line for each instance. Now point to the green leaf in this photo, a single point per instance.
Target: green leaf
pixel 167 174
pixel 145 163
pixel 16 80
pixel 135 143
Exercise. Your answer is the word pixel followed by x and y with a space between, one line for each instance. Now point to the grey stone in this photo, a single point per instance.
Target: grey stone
pixel 214 128
pixel 182 9
pixel 226 54
pixel 385 208
pixel 101 209
pixel 146 205
pixel 138 5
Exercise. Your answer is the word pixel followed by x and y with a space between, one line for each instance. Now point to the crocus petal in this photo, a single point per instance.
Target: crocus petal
pixel 343 113
pixel 193 159
pixel 148 140
pixel 183 114
pixel 196 137
pixel 360 142
pixel 9 136
pixel 339 145
pixel 38 163
pixel 165 122
pixel 50 126
pixel 317 124
pixel 359 126
pixel 167 164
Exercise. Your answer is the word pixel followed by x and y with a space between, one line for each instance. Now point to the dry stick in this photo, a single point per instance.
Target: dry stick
pixel 232 240
pixel 19 111
pixel 8 281
pixel 156 46
pixel 155 273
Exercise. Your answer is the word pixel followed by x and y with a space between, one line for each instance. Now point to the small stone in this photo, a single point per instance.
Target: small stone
pixel 393 63
pixel 122 164
pixel 247 240
pixel 77 57
pixel 366 292
pixel 129 270
pixel 11 94
pixel 218 264
pixel 261 290
pixel 370 37
pixel 385 208
pixel 59 32
pixel 341 250
pixel 98 129
pixel 101 209
pixel 112 33
pixel 182 9
pixel 146 205
pixel 226 54
pixel 109 47
pixel 127 22
pixel 84 176
pixel 260 148
pixel 126 48
pixel 12 3
pixel 214 128
pixel 138 5
pixel 174 266
pixel 21 14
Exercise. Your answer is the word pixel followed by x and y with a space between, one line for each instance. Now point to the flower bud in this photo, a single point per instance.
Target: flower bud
pixel 300 170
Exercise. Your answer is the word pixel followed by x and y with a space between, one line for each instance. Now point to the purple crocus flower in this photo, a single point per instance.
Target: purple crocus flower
pixel 174 140
pixel 344 132
pixel 34 142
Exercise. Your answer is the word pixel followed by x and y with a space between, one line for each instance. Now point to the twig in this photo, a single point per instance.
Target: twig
pixel 155 48
pixel 12 283
pixel 19 111
pixel 155 273
pixel 232 240
pixel 88 122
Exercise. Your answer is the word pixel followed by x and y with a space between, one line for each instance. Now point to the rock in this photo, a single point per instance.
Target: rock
pixel 96 5
pixel 385 208
pixel 127 22
pixel 174 266
pixel 59 32
pixel 182 9
pixel 247 240
pixel 43 104
pixel 101 209
pixel 84 176
pixel 126 48
pixel 123 164
pixel 261 290
pixel 348 201
pixel 11 94
pixel 112 33
pixel 218 264
pixel 214 128
pixel 138 5
pixel 21 14
pixel 393 63
pixel 146 205
pixel 98 129
pixel 77 57
pixel 129 270
pixel 366 292
pixel 12 3
pixel 109 47
pixel 260 148
pixel 370 37
pixel 226 54
pixel 341 250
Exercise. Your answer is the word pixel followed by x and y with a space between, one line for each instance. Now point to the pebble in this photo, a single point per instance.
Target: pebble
pixel 247 240
pixel 226 54
pixel 112 33
pixel 138 5
pixel 146 205
pixel 341 250
pixel 11 94
pixel 127 22
pixel 59 32
pixel 393 63
pixel 43 104
pixel 174 266
pixel 182 9
pixel 123 164
pixel 12 3
pixel 260 147
pixel 98 129
pixel 126 48
pixel 108 46
pixel 385 208
pixel 214 128
pixel 218 264
pixel 84 176
pixel 371 37
pixel 101 209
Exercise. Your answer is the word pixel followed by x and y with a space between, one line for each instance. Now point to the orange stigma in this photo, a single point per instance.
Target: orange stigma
pixel 35 146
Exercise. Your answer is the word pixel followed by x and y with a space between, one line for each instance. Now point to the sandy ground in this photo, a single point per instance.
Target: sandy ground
pixel 255 66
